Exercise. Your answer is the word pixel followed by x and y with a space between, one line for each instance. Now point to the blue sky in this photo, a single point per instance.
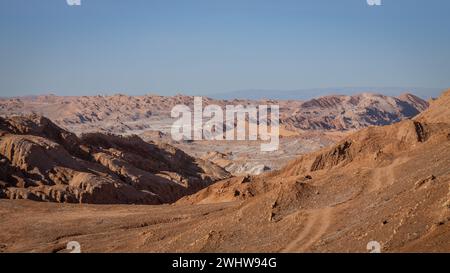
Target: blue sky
pixel 214 46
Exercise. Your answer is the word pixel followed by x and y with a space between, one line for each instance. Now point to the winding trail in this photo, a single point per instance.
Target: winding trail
pixel 317 223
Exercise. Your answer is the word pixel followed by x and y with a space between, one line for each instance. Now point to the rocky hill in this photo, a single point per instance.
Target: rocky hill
pixel 389 184
pixel 40 161
pixel 353 112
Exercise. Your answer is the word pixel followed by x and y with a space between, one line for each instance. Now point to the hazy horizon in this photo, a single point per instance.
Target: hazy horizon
pixel 256 94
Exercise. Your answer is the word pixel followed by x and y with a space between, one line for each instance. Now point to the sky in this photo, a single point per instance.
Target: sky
pixel 215 46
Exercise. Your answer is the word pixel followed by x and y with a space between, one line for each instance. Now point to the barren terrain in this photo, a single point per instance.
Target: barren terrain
pixel 305 125
pixel 389 184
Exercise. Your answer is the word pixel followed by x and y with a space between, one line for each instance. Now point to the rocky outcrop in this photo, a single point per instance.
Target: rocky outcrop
pixel 41 161
pixel 353 112
pixel 369 149
pixel 373 145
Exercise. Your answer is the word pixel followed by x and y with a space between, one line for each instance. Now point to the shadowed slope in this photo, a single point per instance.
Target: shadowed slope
pixel 41 161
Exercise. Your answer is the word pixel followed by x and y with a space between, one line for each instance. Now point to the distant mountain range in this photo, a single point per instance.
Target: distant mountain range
pixel 121 114
pixel 306 94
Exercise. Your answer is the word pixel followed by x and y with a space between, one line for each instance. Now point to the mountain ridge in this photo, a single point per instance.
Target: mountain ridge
pixel 121 114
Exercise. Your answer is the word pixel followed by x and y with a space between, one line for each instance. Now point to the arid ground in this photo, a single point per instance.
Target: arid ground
pixel 377 174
